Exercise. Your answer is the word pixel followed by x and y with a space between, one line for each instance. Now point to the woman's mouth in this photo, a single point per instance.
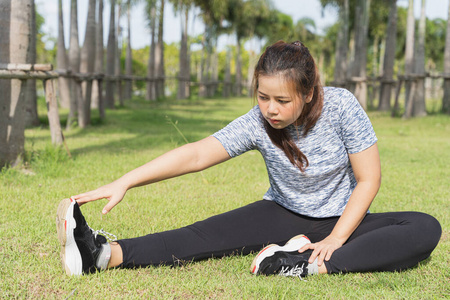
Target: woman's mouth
pixel 273 121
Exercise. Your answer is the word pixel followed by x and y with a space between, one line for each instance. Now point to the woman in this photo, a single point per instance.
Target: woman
pixel 324 171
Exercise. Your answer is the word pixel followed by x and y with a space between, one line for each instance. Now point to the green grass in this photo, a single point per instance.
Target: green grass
pixel 415 163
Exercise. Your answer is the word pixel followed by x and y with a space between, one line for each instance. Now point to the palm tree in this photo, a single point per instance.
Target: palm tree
pixel 183 7
pixel 151 74
pixel 111 49
pixel 62 62
pixel 360 59
pixel 15 31
pixel 446 98
pixel 213 13
pixel 159 59
pixel 97 90
pixel 409 56
pixel 127 90
pixel 74 63
pixel 340 69
pixel 419 109
pixel 31 112
pixel 389 58
pixel 118 56
pixel 87 66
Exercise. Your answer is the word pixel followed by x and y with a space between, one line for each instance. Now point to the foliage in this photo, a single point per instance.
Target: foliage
pixel 414 155
pixel 260 19
pixel 44 55
pixel 435 41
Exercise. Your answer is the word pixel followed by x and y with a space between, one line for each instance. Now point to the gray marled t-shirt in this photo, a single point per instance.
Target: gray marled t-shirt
pixel 324 188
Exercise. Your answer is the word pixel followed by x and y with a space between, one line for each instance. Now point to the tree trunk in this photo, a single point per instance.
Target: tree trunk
pixel 15 30
pixel 150 86
pixel 159 65
pixel 238 91
pixel 87 66
pixel 419 109
pixel 409 55
pixel 214 70
pixel 111 49
pixel 117 60
pixel 227 80
pixel 389 59
pixel 74 62
pixel 96 98
pixel 359 67
pixel 201 74
pixel 184 73
pixel 446 98
pixel 251 69
pixel 128 59
pixel 340 68
pixel 62 62
pixel 31 112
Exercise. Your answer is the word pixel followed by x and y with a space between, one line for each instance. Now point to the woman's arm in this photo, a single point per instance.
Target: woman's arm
pixel 367 170
pixel 186 159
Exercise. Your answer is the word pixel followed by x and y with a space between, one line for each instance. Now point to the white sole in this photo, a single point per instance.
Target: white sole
pixel 65 224
pixel 293 244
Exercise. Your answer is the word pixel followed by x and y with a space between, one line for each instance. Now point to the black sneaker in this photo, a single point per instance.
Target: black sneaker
pixel 81 246
pixel 283 260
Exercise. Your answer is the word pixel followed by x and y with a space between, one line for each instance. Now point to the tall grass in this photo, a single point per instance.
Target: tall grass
pixel 415 157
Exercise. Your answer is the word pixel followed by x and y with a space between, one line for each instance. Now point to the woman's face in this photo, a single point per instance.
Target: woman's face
pixel 276 103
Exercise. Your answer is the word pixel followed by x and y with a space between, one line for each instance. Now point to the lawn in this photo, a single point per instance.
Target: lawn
pixel 415 158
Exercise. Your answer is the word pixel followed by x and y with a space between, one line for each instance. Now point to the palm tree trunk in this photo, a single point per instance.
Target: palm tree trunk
pixel 159 65
pixel 238 67
pixel 202 76
pixel 250 71
pixel 15 31
pixel 184 74
pixel 31 112
pixel 419 109
pixel 128 59
pixel 111 49
pixel 389 59
pixel 62 62
pixel 87 66
pixel 74 63
pixel 150 86
pixel 446 98
pixel 340 69
pixel 359 68
pixel 118 57
pixel 97 91
pixel 227 80
pixel 409 56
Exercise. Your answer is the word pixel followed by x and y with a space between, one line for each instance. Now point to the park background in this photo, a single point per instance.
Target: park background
pixel 147 108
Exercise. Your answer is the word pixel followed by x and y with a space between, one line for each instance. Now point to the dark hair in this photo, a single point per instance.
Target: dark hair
pixel 297 67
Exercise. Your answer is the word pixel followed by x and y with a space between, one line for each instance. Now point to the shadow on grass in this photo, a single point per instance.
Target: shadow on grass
pixel 145 125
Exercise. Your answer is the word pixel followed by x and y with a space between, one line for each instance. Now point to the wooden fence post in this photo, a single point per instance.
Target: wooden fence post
pixel 52 112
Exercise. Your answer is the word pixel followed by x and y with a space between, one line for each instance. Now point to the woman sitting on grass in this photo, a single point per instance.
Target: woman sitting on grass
pixel 324 171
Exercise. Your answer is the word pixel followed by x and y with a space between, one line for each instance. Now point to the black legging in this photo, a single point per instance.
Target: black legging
pixel 382 242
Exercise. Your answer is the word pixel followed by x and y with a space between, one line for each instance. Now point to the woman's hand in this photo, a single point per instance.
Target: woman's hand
pixel 322 250
pixel 113 192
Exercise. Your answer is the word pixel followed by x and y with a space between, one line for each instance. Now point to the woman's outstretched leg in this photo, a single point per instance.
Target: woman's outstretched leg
pixel 239 231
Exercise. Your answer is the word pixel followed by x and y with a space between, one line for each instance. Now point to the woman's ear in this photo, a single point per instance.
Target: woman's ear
pixel 310 96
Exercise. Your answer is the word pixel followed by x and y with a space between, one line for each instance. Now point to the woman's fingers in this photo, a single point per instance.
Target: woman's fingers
pixel 321 250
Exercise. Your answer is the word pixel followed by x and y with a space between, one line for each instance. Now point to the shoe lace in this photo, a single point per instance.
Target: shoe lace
pixel 109 236
pixel 296 271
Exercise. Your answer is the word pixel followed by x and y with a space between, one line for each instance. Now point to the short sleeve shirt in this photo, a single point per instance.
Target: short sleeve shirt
pixel 324 188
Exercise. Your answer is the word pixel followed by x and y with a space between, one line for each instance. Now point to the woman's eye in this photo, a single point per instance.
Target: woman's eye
pixel 263 98
pixel 282 101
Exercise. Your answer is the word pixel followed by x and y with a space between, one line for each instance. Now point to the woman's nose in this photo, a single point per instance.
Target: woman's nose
pixel 272 108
